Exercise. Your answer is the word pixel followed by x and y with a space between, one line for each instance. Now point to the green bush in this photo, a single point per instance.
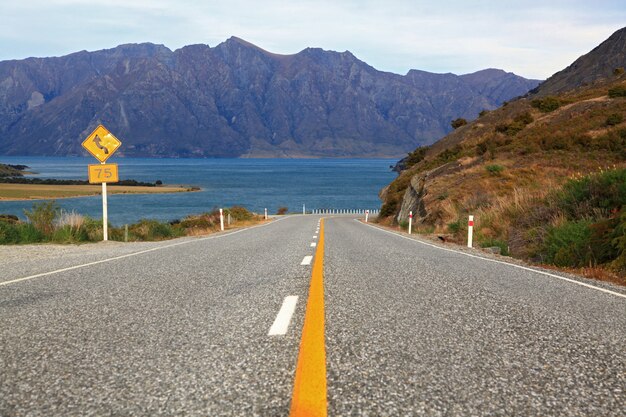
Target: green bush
pixel 614 119
pixel 9 233
pixel 456 123
pixel 152 230
pixel 546 104
pixel 605 191
pixel 68 234
pixel 29 233
pixel 416 156
pixel 569 245
pixel 488 243
pixel 239 213
pixel 494 169
pixel 455 227
pixel 43 215
pixel 619 91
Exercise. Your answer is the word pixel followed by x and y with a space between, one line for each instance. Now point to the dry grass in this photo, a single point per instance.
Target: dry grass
pixel 71 219
pixel 40 191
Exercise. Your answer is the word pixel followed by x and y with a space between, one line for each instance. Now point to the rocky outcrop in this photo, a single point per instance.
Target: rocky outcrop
pixel 413 200
pixel 234 100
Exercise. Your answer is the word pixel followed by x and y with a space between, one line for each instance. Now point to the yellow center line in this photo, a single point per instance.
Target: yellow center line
pixel 309 388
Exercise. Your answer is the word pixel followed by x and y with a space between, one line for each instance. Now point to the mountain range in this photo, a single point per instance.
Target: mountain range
pixel 235 100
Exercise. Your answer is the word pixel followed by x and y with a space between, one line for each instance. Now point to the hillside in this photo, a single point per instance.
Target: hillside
pixel 235 100
pixel 537 168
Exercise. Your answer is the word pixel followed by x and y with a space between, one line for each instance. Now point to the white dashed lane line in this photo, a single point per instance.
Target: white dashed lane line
pixel 307 260
pixel 283 318
pixel 313 244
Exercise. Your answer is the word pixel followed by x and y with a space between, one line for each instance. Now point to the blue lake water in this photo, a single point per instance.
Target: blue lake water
pixel 253 183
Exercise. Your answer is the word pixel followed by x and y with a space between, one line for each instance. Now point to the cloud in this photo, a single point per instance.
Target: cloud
pixel 532 39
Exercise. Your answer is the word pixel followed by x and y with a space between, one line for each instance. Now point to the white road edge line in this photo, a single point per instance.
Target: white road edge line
pixel 573 281
pixel 283 318
pixel 307 260
pixel 128 255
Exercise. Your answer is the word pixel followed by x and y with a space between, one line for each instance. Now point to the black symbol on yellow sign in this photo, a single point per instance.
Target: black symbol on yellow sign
pixel 99 144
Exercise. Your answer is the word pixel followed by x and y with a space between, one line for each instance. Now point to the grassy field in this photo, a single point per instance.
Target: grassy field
pixel 39 191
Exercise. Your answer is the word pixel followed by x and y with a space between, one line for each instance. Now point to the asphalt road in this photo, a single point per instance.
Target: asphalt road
pixel 181 328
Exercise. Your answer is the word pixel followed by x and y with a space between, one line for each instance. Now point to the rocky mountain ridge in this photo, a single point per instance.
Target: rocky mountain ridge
pixel 235 100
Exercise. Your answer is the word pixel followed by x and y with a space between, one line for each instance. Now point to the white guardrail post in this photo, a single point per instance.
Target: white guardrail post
pixel 221 220
pixel 410 221
pixel 470 231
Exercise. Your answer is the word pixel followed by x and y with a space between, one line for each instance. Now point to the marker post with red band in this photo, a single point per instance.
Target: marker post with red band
pixel 367 215
pixel 410 221
pixel 470 231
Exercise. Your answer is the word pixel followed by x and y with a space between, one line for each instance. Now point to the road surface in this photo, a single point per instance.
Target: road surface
pixel 201 326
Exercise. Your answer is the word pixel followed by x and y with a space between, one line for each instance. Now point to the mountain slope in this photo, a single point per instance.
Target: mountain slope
pixel 599 64
pixel 234 100
pixel 544 176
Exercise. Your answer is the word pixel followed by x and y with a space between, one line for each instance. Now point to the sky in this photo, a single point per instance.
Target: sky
pixel 531 38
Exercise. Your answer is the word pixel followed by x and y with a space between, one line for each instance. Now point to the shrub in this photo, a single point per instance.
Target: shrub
pixel 569 245
pixel 282 210
pixel 605 191
pixel 240 213
pixel 618 71
pixel 416 156
pixel 524 118
pixel 614 119
pixel 69 234
pixel 488 243
pixel 619 91
pixel 456 123
pixel 483 113
pixel 152 230
pixel 43 215
pixel 455 227
pixel 9 233
pixel 494 169
pixel 388 208
pixel 546 104
pixel 29 233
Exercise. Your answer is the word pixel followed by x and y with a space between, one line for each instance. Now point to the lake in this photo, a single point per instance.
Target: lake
pixel 253 183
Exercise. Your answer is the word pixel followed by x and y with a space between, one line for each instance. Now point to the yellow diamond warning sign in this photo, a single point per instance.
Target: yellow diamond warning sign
pixel 101 143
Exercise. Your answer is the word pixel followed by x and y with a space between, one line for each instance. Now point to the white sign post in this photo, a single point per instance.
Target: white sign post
pixel 410 221
pixel 470 231
pixel 105 213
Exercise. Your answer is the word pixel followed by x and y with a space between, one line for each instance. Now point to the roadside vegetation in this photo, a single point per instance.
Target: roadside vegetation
pixel 47 223
pixel 545 179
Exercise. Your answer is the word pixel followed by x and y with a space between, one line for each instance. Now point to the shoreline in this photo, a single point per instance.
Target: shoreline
pixel 28 192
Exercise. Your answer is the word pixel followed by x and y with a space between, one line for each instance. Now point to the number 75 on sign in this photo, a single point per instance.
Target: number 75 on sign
pixel 99 173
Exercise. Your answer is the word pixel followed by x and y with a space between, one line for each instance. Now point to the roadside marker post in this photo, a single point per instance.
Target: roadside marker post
pixel 228 219
pixel 367 214
pixel 221 220
pixel 303 209
pixel 265 214
pixel 470 231
pixel 410 221
pixel 102 145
